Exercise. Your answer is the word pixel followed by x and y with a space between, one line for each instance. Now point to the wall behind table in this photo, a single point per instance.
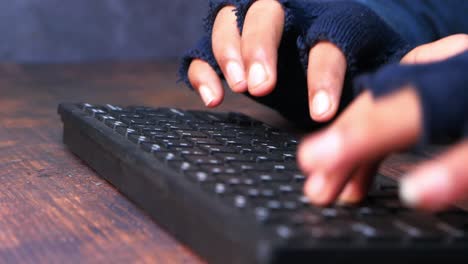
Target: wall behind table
pixel 89 30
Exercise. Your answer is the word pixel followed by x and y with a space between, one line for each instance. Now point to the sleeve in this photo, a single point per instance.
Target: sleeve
pixel 442 91
pixel 422 21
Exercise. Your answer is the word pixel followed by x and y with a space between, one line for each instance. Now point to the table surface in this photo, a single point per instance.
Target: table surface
pixel 53 208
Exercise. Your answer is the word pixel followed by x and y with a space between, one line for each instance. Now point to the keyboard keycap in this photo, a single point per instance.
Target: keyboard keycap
pixel 200 176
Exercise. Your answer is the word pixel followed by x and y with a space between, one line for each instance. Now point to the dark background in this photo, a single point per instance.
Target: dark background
pixel 37 31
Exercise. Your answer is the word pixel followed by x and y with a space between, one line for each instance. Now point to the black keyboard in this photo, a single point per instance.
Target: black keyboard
pixel 228 187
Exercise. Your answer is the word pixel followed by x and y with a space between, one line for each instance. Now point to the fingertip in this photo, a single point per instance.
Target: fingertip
pixel 210 96
pixel 207 83
pixel 428 188
pixel 351 194
pixel 325 77
pixel 304 157
pixel 409 195
pixel 315 189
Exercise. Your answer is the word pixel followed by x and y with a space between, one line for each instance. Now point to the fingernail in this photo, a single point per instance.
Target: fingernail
pixel 206 94
pixel 257 75
pixel 235 72
pixel 428 181
pixel 321 103
pixel 315 186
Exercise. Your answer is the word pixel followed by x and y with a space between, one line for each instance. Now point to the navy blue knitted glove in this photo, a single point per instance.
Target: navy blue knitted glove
pixel 442 89
pixel 364 38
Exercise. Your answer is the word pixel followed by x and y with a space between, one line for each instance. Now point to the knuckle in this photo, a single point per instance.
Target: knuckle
pixel 252 49
pixel 227 54
pixel 326 83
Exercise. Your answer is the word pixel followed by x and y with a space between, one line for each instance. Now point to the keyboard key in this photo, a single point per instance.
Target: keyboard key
pixel 138 139
pixel 270 176
pixel 374 230
pixel 284 231
pixel 219 169
pixel 238 201
pixel 174 143
pixel 180 165
pixel 237 142
pixel 152 147
pixel 145 129
pixel 328 231
pixel 197 159
pixel 190 151
pixel 159 135
pixel 200 176
pixel 236 157
pixel 213 149
pixel 204 141
pixel 168 156
pixel 219 189
pixel 124 131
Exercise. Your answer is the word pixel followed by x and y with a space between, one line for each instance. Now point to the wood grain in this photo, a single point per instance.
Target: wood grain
pixel 53 208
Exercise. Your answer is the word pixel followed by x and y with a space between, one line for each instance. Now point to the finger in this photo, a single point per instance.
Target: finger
pixel 438 50
pixel 205 80
pixel 359 184
pixel 350 191
pixel 440 183
pixel 227 49
pixel 261 36
pixel 367 129
pixel 325 78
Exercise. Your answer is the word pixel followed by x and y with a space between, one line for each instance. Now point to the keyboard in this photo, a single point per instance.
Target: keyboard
pixel 228 187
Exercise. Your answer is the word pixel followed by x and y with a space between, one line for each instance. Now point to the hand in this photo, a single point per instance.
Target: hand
pixel 249 62
pixel 342 159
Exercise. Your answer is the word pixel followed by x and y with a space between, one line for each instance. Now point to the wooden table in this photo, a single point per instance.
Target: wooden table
pixel 53 208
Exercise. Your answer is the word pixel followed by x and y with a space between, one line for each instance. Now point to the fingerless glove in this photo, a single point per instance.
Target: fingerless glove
pixel 365 39
pixel 442 89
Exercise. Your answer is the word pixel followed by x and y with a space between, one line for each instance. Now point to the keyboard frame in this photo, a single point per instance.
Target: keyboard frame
pixel 189 216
